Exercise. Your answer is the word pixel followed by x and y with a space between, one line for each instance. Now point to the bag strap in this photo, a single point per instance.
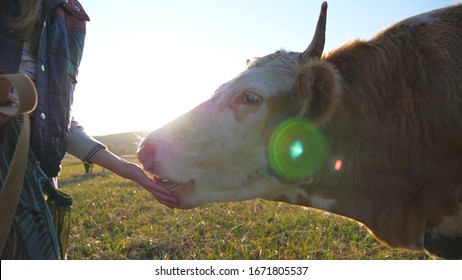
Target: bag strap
pixel 25 89
pixel 11 189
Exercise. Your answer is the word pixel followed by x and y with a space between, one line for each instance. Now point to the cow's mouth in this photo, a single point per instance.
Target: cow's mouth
pixel 171 185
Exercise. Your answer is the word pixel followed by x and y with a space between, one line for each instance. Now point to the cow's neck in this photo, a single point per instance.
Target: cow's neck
pixel 355 183
pixel 342 195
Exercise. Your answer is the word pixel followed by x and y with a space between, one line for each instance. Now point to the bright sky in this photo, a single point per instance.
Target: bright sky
pixel 149 61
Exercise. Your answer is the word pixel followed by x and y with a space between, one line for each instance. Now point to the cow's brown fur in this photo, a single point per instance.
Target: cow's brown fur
pixel 398 127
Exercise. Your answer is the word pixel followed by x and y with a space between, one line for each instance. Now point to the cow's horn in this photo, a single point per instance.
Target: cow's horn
pixel 316 46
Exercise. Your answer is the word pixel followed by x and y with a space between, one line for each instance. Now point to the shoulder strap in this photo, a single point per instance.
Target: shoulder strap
pixel 11 189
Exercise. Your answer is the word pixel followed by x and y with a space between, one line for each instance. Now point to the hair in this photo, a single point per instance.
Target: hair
pixel 27 24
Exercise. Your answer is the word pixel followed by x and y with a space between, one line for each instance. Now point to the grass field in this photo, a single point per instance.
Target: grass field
pixel 113 218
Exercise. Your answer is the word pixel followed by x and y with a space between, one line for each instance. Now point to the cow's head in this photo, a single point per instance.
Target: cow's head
pixel 256 137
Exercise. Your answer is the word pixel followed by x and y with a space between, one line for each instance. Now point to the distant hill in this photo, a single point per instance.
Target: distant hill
pixel 122 143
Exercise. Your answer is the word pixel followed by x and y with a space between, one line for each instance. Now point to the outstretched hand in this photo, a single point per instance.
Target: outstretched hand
pixel 133 172
pixel 161 194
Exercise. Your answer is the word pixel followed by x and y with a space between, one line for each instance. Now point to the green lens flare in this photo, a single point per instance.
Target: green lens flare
pixel 297 149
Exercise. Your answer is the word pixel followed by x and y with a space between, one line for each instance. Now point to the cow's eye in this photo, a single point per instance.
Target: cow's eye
pixel 251 98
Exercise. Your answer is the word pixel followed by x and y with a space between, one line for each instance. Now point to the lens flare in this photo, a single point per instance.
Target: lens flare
pixel 297 149
pixel 338 165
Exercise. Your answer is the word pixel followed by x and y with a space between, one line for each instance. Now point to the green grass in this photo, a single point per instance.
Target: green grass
pixel 113 218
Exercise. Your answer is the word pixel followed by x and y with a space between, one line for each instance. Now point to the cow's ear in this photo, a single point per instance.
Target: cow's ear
pixel 317 89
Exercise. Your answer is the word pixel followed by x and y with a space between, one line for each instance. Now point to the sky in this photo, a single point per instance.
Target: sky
pixel 150 61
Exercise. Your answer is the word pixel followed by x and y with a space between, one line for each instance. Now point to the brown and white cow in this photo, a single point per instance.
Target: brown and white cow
pixel 371 131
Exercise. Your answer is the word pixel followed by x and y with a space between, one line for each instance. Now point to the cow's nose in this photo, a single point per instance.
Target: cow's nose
pixel 146 155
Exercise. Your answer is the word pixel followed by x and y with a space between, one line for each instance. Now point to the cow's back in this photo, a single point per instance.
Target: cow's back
pixel 406 82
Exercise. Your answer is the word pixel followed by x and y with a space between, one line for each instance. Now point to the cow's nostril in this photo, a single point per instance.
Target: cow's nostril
pixel 146 155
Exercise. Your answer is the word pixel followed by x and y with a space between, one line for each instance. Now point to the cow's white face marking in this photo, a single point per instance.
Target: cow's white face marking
pixel 216 152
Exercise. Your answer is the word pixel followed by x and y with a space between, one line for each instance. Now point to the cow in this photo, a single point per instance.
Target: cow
pixel 371 131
